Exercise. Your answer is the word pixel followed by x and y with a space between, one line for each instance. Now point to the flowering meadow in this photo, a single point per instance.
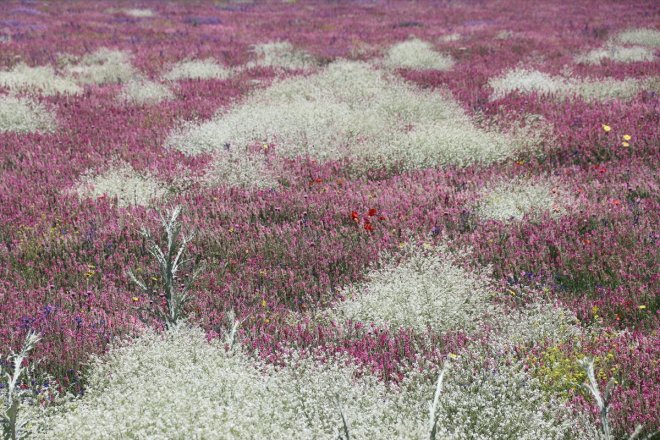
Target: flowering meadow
pixel 329 220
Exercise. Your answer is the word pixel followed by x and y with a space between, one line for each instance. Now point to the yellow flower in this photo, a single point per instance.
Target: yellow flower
pixel 135 299
pixel 427 246
pixel 625 144
pixel 642 307
pixel 453 356
pixel 607 128
pixel 627 137
pixel 263 303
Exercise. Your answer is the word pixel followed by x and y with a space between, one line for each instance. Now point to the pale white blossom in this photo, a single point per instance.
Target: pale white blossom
pixel 22 115
pixel 417 54
pixel 122 182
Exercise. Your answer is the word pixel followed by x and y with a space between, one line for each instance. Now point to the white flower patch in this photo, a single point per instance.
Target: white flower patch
pixel 281 54
pixel 417 54
pixel 504 35
pixel 144 92
pixel 350 110
pixel 177 385
pixel 24 116
pixel 123 183
pixel 241 169
pixel 41 80
pixel 607 89
pixel 619 54
pixel 105 66
pixel 139 13
pixel 528 81
pixel 428 289
pixel 449 38
pixel 641 37
pixel 197 69
pixel 534 324
pixel 512 200
pixel 487 395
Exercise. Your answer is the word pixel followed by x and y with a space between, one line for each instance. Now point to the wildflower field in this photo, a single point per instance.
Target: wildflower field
pixel 329 219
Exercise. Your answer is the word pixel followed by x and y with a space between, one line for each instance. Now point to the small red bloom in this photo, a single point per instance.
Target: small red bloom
pixel 372 212
pixel 368 227
pixel 382 217
pixel 355 216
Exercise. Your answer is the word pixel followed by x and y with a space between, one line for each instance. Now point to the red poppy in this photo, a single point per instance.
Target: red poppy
pixel 616 202
pixel 355 216
pixel 382 217
pixel 372 212
pixel 368 227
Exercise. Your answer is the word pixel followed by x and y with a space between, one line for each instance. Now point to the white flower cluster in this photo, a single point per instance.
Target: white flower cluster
pixel 641 37
pixel 607 89
pixel 281 54
pixel 428 289
pixel 141 91
pixel 449 38
pixel 533 324
pixel 101 67
pixel 525 81
pixel 528 81
pixel 619 54
pixel 197 69
pixel 504 35
pixel 487 395
pixel 180 386
pixel 125 184
pixel 177 385
pixel 105 66
pixel 512 200
pixel 23 116
pixel 245 170
pixel 139 13
pixel 42 80
pixel 350 110
pixel 417 54
pixel 629 46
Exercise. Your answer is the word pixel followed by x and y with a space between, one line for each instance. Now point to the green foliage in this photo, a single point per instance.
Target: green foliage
pixel 171 261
